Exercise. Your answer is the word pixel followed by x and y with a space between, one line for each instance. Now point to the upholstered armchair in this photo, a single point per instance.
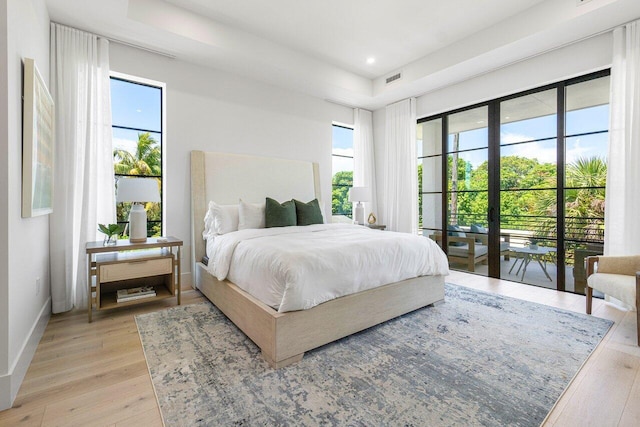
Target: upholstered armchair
pixel 617 276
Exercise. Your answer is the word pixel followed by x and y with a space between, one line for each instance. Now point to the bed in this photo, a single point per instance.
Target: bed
pixel 284 337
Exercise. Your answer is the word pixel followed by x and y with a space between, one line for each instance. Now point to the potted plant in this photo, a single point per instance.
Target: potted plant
pixel 533 243
pixel 111 233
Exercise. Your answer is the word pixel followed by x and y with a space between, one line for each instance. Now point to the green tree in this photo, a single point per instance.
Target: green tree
pixel 584 206
pixel 523 209
pixel 340 204
pixel 146 161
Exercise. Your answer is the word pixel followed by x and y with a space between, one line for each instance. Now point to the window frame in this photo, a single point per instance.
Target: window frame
pixel 494 152
pixel 352 129
pixel 163 133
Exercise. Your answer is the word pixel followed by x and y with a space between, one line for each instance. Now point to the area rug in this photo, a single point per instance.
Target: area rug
pixel 476 359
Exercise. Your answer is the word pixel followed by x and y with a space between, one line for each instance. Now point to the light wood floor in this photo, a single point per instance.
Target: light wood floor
pixel 95 374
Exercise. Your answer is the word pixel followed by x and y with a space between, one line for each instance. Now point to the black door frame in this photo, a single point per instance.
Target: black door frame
pixel 493 212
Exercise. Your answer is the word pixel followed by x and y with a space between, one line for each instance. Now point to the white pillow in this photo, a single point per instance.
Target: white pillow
pixel 208 223
pixel 251 215
pixel 221 219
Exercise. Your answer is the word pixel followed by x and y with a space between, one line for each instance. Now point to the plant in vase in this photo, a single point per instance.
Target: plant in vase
pixel 533 243
pixel 111 233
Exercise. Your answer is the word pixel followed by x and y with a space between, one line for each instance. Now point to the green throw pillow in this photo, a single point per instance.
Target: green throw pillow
pixel 279 214
pixel 308 213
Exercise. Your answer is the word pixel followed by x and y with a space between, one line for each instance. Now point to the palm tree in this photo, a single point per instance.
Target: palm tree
pixel 146 160
pixel 585 206
pixel 584 201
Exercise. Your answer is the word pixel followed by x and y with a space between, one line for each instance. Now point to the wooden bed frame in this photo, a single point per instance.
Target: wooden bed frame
pixel 284 337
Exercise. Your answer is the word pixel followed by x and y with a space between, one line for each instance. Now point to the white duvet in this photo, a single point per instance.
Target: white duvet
pixel 296 268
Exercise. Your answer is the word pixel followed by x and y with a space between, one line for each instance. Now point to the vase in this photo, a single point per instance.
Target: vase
pixel 372 219
pixel 110 240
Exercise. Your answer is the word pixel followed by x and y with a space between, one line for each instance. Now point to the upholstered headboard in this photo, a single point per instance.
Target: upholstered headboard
pixel 225 178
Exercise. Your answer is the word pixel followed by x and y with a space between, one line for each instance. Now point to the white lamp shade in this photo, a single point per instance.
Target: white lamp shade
pixel 359 194
pixel 137 190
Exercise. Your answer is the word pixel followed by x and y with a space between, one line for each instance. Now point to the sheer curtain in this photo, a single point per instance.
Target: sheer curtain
pixel 401 177
pixel 363 157
pixel 83 177
pixel 622 228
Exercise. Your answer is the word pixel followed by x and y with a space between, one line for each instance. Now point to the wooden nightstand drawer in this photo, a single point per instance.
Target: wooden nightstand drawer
pixel 134 269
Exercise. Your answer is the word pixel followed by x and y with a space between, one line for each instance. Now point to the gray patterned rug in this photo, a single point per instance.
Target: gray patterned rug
pixel 477 359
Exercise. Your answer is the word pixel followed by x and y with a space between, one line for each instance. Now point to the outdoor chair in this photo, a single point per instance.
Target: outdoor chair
pixel 470 248
pixel 618 277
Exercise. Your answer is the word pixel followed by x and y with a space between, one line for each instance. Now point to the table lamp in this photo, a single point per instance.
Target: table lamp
pixel 137 191
pixel 359 194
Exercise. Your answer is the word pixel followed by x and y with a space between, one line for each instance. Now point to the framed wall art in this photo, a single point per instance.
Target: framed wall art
pixel 37 144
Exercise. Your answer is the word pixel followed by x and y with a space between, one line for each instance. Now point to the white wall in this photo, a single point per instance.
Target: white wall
pixel 570 61
pixel 5 381
pixel 216 111
pixel 24 255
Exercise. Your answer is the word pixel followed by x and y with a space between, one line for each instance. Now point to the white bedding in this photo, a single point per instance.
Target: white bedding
pixel 296 268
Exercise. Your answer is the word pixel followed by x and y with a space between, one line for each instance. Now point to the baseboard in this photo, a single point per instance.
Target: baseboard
pixel 10 383
pixel 186 281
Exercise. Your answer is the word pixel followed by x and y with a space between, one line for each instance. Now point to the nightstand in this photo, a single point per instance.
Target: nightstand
pixel 126 265
pixel 377 226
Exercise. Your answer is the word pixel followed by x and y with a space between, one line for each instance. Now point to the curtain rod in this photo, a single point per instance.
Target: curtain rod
pixel 122 42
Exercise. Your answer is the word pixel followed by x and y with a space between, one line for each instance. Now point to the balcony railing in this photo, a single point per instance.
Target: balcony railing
pixel 581 233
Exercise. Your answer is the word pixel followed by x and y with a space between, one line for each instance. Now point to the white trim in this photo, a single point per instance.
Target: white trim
pixel 11 382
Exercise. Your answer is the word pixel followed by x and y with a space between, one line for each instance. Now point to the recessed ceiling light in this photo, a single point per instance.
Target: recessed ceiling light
pixel 371 60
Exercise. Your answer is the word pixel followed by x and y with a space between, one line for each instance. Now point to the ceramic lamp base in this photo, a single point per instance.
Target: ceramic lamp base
pixel 137 224
pixel 359 214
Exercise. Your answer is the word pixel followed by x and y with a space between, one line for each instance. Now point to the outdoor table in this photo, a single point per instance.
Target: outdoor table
pixel 527 254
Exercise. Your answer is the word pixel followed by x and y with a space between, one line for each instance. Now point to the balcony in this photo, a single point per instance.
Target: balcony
pixel 528 251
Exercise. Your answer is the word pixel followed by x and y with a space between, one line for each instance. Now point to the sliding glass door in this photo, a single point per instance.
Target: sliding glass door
pixel 528 186
pixel 430 191
pixel 585 175
pixel 467 189
pixel 514 188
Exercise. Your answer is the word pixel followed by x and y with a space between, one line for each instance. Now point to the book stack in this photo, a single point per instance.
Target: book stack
pixel 131 294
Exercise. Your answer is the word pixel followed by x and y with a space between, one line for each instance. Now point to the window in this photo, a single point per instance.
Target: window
pixel 342 165
pixel 523 174
pixel 136 110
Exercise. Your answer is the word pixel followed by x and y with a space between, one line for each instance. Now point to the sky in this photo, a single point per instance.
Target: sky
pixel 140 106
pixel 343 145
pixel 579 121
pixel 136 106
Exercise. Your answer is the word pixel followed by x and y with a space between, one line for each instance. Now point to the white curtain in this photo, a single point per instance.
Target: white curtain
pixel 622 228
pixel 364 173
pixel 83 177
pixel 400 186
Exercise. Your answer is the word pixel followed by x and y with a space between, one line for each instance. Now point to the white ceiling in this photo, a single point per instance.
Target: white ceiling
pixel 346 32
pixel 321 47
